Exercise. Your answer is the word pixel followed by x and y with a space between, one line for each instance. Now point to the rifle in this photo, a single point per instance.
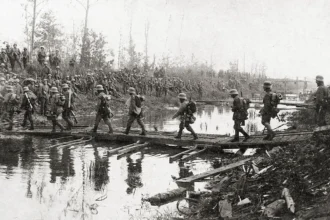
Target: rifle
pixel 74 116
pixel 28 99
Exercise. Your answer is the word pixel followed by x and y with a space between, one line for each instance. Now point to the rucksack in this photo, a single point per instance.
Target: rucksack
pixel 275 100
pixel 191 107
pixel 245 103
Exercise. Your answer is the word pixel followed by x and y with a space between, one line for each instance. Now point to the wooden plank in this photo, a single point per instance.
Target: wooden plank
pixel 193 154
pixel 322 128
pixel 179 155
pixel 194 178
pixel 132 148
pixel 114 151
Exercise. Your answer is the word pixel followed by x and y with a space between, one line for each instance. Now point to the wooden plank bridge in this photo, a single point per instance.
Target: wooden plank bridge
pixel 210 141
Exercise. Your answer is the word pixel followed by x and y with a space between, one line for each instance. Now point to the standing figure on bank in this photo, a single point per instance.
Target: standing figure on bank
pixel 186 117
pixel 239 116
pixel 269 110
pixel 25 57
pixel 16 55
pixel 10 105
pixel 68 106
pixel 42 55
pixel 28 104
pixel 44 96
pixel 134 111
pixel 56 102
pixel 103 109
pixel 321 96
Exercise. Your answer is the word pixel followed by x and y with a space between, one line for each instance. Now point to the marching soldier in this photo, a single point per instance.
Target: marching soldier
pixel 10 103
pixel 102 109
pixel 56 108
pixel 185 117
pixel 239 116
pixel 28 104
pixel 134 111
pixel 68 106
pixel 321 96
pixel 267 111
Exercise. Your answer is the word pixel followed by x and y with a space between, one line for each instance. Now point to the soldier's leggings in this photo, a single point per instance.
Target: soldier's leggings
pixel 106 120
pixel 138 119
pixel 28 116
pixel 66 115
pixel 320 115
pixel 186 124
pixel 43 105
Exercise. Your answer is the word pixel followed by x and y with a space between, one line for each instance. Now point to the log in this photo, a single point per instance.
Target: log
pixel 194 178
pixel 192 154
pixel 224 183
pixel 288 198
pixel 274 208
pixel 163 198
pixel 130 150
pixel 179 155
pixel 114 151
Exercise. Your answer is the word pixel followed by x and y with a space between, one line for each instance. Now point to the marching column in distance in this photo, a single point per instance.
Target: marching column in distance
pixel 28 104
pixel 134 111
pixel 185 117
pixel 239 116
pixel 102 109
pixel 321 96
pixel 56 102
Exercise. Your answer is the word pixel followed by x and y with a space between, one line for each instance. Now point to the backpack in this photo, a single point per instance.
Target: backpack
pixel 191 107
pixel 275 99
pixel 245 103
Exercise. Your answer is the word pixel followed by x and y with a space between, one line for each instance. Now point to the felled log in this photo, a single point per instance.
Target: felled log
pixel 224 182
pixel 274 208
pixel 163 198
pixel 288 198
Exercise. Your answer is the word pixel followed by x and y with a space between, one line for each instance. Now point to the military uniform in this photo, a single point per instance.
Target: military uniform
pixel 239 116
pixel 10 105
pixel 68 106
pixel 103 111
pixel 185 117
pixel 134 111
pixel 56 102
pixel 44 96
pixel 41 56
pixel 16 55
pixel 25 57
pixel 321 96
pixel 267 111
pixel 28 104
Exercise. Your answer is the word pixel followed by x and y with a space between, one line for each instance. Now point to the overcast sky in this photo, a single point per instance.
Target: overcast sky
pixel 292 37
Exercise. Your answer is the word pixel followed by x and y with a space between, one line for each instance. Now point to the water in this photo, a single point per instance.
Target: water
pixel 82 182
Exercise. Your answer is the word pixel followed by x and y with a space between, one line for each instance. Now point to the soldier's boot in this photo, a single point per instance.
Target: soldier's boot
pixel 236 137
pixel 128 128
pixel 31 126
pixel 54 127
pixel 110 129
pixel 246 136
pixel 178 136
pixel 143 132
pixel 272 135
pixel 60 125
pixel 94 129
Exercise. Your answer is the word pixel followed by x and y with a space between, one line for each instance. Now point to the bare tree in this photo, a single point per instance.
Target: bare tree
pixel 146 35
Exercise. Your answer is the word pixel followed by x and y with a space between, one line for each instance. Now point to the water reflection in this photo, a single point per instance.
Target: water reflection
pixel 61 164
pixel 100 169
pixel 134 170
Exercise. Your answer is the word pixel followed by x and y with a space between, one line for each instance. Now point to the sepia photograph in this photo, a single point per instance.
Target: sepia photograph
pixel 164 109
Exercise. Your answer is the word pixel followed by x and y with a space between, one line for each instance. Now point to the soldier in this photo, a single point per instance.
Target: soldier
pixel 321 96
pixel 42 55
pixel 16 55
pixel 134 111
pixel 56 59
pixel 68 106
pixel 26 57
pixel 239 116
pixel 28 104
pixel 10 103
pixel 45 71
pixel 102 109
pixel 268 109
pixel 185 117
pixel 44 96
pixel 58 74
pixel 9 54
pixel 4 59
pixel 2 86
pixel 56 108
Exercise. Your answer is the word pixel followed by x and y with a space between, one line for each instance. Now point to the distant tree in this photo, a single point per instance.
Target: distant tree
pixel 48 32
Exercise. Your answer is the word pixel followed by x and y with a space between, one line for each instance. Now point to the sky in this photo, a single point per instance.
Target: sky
pixel 291 37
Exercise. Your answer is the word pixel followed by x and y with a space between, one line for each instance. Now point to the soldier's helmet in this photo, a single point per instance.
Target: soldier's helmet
pixel 267 85
pixel 16 80
pixel 3 65
pixel 68 82
pixel 57 67
pixel 42 47
pixel 45 79
pixel 26 89
pixel 65 86
pixel 233 92
pixel 142 98
pixel 182 96
pixel 24 48
pixel 99 88
pixel 319 78
pixel 54 90
pixel 2 79
pixel 131 90
pixel 10 88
